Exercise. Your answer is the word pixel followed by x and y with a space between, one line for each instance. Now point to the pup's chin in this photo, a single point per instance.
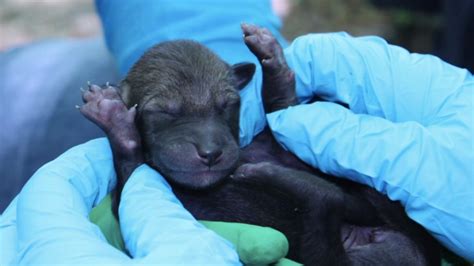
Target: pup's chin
pixel 197 180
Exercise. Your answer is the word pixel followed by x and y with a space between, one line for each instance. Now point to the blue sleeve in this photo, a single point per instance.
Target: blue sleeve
pixel 52 224
pixel 408 131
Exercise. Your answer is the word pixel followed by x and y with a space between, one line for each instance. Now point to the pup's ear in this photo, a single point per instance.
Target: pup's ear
pixel 124 90
pixel 243 73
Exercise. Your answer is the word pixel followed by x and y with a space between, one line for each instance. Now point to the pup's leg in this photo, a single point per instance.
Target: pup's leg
pixel 105 108
pixel 323 209
pixel 278 91
pixel 319 204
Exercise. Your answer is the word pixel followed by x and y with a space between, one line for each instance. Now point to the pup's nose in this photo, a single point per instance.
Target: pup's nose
pixel 210 157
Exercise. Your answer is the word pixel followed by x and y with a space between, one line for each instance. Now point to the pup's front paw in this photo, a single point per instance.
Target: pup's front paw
pixel 278 90
pixel 105 107
pixel 264 46
pixel 255 170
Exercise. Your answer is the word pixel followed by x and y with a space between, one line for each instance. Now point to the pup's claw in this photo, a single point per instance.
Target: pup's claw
pixel 94 88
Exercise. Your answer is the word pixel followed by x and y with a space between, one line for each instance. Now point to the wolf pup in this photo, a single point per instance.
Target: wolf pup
pixel 178 111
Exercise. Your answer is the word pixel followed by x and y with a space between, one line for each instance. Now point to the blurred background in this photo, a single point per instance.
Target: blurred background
pixel 441 27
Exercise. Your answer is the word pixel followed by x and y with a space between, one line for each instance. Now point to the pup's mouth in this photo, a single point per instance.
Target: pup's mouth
pixel 197 180
pixel 193 175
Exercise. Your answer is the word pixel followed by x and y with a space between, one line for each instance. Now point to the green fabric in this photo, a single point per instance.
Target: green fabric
pixel 451 259
pixel 103 217
pixel 255 245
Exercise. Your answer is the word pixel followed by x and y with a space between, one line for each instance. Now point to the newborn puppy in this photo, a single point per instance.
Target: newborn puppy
pixel 178 111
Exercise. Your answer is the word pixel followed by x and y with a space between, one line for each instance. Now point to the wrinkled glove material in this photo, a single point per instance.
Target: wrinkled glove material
pixel 408 131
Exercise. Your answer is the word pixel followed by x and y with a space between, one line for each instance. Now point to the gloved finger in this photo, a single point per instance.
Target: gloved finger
pixel 407 161
pixel 156 227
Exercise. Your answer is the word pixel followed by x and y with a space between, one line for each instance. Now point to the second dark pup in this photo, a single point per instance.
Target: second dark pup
pixel 186 126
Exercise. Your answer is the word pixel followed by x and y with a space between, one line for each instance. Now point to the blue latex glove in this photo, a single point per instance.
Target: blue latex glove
pixel 132 27
pixel 408 133
pixel 48 221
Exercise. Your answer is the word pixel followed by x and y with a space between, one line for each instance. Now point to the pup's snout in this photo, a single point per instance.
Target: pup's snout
pixel 210 155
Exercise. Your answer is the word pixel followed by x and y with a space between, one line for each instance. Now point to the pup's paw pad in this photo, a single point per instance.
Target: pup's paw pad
pixel 104 107
pixel 263 44
pixel 97 93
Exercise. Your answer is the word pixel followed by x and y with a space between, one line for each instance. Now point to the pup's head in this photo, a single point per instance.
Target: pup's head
pixel 188 111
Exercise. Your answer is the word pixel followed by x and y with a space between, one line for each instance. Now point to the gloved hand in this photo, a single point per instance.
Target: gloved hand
pixel 408 131
pixel 48 221
pixel 255 245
